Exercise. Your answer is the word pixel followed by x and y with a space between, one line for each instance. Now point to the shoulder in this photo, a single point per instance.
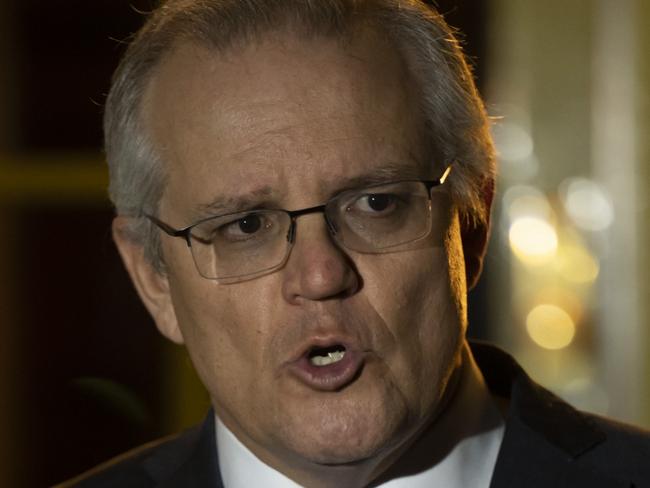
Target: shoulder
pixel 624 449
pixel 547 442
pixel 140 467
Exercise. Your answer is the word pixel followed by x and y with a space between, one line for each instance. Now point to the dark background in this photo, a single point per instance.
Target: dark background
pixel 86 371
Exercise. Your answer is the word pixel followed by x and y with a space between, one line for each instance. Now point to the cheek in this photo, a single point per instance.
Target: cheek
pixel 412 292
pixel 205 323
pixel 419 304
pixel 225 332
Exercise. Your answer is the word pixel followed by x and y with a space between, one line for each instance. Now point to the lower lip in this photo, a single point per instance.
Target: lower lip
pixel 331 377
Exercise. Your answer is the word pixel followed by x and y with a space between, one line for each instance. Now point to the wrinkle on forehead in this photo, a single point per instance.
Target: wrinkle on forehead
pixel 273 111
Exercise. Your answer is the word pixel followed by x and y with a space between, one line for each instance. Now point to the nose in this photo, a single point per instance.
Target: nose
pixel 317 269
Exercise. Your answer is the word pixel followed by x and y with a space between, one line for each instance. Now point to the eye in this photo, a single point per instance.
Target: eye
pixel 374 203
pixel 249 224
pixel 246 227
pixel 379 202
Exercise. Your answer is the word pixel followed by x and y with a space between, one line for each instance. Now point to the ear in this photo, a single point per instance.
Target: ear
pixel 151 284
pixel 475 238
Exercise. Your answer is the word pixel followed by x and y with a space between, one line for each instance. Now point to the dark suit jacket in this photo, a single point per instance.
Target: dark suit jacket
pixel 547 443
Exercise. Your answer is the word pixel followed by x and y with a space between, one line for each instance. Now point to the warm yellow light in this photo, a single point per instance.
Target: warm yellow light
pixel 550 327
pixel 533 240
pixel 577 265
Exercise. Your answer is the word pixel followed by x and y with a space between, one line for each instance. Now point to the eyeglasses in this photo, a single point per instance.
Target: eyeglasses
pixel 245 245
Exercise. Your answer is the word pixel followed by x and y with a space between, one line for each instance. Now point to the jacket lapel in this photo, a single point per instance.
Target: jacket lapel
pixel 526 458
pixel 201 467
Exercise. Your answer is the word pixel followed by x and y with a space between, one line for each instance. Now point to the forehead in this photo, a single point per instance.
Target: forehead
pixel 280 115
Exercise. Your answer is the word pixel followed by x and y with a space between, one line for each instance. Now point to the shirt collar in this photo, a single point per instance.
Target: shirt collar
pixel 240 468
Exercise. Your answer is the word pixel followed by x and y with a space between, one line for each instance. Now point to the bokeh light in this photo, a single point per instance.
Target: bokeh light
pixel 550 326
pixel 526 201
pixel 576 264
pixel 533 240
pixel 513 140
pixel 584 393
pixel 587 204
pixel 516 150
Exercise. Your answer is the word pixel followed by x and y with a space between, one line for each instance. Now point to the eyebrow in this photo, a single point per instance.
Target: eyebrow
pixel 226 204
pixel 263 197
pixel 383 174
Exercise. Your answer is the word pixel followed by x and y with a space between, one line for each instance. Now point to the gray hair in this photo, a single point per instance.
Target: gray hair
pixel 457 124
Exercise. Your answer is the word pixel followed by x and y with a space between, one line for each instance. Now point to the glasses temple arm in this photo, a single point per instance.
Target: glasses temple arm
pixel 166 228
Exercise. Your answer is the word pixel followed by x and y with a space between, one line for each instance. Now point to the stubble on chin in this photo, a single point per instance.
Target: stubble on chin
pixel 345 428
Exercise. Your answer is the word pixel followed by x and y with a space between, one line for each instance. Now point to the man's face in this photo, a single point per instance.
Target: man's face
pixel 290 123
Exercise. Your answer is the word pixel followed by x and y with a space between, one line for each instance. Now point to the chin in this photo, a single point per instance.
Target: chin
pixel 344 432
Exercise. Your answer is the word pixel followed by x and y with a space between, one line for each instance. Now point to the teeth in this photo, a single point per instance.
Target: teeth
pixel 332 357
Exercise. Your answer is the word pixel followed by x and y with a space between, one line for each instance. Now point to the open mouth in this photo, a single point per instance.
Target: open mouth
pixel 328 364
pixel 324 356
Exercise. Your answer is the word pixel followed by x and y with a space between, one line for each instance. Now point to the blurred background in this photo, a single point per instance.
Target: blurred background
pixel 85 376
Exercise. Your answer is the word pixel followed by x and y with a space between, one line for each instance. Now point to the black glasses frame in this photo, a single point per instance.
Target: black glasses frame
pixel 186 232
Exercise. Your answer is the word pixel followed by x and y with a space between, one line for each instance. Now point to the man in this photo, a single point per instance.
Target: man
pixel 303 192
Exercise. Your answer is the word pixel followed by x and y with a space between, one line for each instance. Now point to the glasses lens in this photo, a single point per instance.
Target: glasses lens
pixel 382 217
pixel 240 245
